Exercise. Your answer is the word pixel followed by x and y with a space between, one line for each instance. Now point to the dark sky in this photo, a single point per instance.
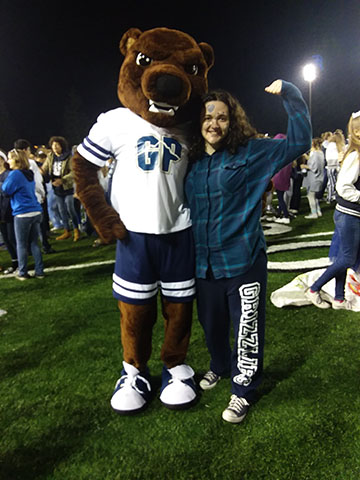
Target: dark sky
pixel 53 51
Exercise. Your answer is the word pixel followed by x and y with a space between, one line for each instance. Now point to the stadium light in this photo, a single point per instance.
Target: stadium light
pixel 309 73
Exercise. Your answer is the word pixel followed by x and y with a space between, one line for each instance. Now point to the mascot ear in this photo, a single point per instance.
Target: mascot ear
pixel 208 53
pixel 128 39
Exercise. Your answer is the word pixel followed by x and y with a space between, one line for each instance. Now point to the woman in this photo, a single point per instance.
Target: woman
pixel 58 166
pixel 314 178
pixel 345 246
pixel 231 170
pixel 26 209
pixel 333 155
pixel 6 218
pixel 281 181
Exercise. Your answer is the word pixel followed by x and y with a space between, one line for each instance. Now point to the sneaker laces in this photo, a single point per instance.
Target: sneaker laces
pixel 210 376
pixel 132 375
pixel 237 403
pixel 130 382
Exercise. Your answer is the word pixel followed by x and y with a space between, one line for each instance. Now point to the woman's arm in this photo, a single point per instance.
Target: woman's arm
pixel 299 132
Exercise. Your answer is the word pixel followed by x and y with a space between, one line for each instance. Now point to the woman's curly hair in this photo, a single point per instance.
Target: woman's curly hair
pixel 240 129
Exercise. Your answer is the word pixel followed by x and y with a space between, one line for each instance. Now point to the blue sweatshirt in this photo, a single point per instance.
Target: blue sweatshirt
pixel 20 186
pixel 224 192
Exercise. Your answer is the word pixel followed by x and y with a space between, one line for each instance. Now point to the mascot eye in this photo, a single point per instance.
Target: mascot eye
pixel 192 69
pixel 143 60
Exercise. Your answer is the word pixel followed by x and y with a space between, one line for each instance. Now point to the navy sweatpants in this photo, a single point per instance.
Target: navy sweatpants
pixel 240 300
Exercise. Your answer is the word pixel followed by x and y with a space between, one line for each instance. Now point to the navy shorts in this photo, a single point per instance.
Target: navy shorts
pixel 145 262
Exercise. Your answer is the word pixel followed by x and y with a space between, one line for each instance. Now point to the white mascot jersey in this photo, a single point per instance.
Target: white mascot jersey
pixel 151 163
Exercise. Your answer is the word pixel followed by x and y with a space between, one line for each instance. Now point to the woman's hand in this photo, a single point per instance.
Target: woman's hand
pixel 275 88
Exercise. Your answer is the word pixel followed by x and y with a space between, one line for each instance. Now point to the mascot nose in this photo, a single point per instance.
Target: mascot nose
pixel 169 85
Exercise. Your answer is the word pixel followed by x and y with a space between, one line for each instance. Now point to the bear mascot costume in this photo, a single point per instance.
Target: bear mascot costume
pixel 162 77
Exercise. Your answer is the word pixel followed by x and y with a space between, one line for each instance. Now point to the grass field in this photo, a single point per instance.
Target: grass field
pixel 60 357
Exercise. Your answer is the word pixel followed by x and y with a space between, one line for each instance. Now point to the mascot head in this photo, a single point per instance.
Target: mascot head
pixel 163 75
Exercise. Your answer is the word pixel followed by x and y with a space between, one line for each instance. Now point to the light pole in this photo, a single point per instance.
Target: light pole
pixel 309 73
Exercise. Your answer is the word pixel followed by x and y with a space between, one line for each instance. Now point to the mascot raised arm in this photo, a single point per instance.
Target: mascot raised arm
pixel 161 80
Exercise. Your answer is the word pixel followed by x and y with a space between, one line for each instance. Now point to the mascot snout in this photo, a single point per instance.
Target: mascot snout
pixel 166 88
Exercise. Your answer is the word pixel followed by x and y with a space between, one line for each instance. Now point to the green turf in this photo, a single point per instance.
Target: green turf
pixel 60 357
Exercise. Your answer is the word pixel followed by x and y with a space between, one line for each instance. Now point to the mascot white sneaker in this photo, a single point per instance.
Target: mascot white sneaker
pixel 178 389
pixel 132 391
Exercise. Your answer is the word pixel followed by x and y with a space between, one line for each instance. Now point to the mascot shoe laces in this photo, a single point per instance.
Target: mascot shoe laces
pixel 132 391
pixel 178 389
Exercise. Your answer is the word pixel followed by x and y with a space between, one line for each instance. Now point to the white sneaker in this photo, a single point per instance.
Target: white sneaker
pixel 282 220
pixel 178 390
pixel 236 410
pixel 209 380
pixel 132 391
pixel 341 305
pixel 311 216
pixel 315 298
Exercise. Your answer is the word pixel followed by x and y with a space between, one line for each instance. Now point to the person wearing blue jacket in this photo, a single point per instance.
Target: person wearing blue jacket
pixel 27 211
pixel 230 170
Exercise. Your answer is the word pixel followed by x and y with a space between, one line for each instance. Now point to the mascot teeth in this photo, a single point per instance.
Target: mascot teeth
pixel 161 107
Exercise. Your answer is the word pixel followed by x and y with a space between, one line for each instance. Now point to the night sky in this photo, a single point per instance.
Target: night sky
pixel 61 57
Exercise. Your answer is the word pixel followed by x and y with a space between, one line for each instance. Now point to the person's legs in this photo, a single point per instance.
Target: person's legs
pixel 348 229
pixel 213 314
pixel 22 228
pixel 282 204
pixel 69 201
pixel 34 235
pixel 247 300
pixel 312 203
pixel 60 202
pixel 8 234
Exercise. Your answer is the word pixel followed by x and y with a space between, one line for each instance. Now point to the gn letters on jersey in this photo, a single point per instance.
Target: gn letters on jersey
pixel 151 163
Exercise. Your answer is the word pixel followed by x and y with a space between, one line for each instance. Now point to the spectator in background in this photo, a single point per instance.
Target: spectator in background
pixel 6 217
pixel 297 180
pixel 281 181
pixel 27 212
pixel 58 167
pixel 313 180
pixel 325 137
pixel 25 146
pixel 40 158
pixel 333 155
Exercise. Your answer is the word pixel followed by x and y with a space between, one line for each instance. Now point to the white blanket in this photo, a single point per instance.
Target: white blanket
pixel 294 292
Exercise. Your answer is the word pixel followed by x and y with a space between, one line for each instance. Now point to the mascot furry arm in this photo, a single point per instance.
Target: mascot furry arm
pixel 91 194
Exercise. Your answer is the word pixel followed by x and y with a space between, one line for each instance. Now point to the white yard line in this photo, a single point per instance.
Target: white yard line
pixel 68 267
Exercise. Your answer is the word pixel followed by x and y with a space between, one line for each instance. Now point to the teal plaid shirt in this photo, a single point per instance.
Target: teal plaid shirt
pixel 224 193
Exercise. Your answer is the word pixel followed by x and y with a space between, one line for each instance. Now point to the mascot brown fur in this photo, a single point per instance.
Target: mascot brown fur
pixel 161 80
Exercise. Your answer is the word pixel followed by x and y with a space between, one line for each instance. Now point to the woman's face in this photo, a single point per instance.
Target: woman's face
pixel 215 124
pixel 12 162
pixel 56 148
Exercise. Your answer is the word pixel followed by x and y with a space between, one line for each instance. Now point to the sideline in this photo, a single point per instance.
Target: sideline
pixel 68 267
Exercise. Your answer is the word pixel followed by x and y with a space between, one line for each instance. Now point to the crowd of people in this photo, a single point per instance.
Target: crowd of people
pixel 316 171
pixel 37 195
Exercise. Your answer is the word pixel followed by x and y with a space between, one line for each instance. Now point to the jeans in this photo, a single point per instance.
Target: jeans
pixel 67 209
pixel 347 233
pixel 27 230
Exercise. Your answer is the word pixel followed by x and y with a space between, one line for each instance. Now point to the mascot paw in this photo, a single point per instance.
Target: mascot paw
pixel 119 231
pixel 178 387
pixel 132 391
